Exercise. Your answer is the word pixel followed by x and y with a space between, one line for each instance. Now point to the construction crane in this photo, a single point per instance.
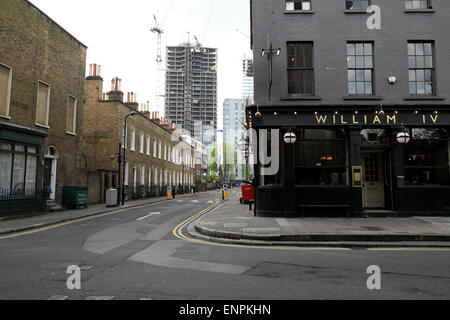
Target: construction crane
pixel 157 29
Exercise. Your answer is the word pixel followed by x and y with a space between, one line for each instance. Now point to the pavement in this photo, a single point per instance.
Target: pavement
pixel 13 224
pixel 235 223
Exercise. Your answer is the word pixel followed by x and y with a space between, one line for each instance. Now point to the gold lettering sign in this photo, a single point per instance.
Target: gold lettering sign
pixel 369 119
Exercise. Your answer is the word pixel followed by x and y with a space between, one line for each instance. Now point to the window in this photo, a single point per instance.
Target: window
pixel 321 157
pixel 5 89
pixel 421 68
pixel 357 4
pixel 43 103
pixel 154 147
pixel 148 145
pixel 298 5
pixel 300 68
pixel 417 4
pixel 360 68
pixel 18 170
pixel 149 182
pixel 427 157
pixel 141 142
pixel 159 149
pixel 124 141
pixel 132 140
pixel 125 182
pixel 142 175
pixel 71 115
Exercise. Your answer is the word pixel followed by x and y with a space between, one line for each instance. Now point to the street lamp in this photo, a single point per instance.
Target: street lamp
pixel 124 153
pixel 270 53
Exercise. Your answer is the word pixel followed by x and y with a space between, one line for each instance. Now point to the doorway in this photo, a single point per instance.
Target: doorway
pixel 50 166
pixel 373 180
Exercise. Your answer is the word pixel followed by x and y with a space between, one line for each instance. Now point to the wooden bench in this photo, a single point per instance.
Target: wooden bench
pixel 303 206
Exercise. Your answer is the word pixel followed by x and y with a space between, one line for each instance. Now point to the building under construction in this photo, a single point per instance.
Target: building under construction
pixel 191 90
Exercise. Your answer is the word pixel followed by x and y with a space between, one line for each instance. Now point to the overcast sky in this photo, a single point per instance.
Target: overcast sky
pixel 118 37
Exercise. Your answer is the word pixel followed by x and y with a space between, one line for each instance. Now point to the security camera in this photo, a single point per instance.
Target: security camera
pixel 392 80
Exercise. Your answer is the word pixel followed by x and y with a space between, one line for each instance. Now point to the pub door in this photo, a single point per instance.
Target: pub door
pixel 373 180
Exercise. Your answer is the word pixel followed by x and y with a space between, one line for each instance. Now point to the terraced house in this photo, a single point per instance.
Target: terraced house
pixel 361 106
pixel 42 70
pixel 155 156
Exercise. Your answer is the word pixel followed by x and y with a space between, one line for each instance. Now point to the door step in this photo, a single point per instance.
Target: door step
pixel 54 206
pixel 380 213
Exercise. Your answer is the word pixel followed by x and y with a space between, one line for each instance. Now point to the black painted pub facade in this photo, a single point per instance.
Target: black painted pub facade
pixel 355 161
pixel 368 105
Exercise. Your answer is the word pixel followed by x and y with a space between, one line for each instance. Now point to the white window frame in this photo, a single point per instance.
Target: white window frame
pixel 142 174
pixel 48 105
pixel 8 96
pixel 154 147
pixel 132 139
pixel 148 145
pixel 74 114
pixel 141 143
pixel 124 140
pixel 159 149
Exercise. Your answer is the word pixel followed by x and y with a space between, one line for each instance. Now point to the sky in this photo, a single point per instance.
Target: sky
pixel 117 34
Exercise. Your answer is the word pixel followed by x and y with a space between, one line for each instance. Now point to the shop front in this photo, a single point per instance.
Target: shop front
pixel 19 168
pixel 354 162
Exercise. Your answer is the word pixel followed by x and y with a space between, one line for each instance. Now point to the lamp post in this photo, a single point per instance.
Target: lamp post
pixel 124 154
pixel 289 139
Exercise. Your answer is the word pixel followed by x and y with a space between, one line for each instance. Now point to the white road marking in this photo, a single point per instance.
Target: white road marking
pixel 100 298
pixel 58 297
pixel 149 215
pixel 210 201
pixel 194 201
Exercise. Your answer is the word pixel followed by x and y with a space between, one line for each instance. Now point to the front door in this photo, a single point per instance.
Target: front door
pixel 373 185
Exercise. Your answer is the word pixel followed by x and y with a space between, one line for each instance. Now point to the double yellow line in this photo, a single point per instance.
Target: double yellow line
pixel 178 231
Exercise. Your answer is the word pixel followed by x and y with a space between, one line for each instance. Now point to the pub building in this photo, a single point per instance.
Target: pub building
pixel 363 116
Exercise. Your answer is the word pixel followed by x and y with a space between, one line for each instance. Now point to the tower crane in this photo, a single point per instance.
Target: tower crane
pixel 157 29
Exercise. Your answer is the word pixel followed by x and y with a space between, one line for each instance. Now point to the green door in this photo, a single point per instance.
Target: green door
pixel 47 172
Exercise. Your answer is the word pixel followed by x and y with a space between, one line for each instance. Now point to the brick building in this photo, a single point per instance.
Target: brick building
pixel 155 156
pixel 42 70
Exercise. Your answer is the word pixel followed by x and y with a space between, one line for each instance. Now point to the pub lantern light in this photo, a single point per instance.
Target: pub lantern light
pixel 290 138
pixel 403 137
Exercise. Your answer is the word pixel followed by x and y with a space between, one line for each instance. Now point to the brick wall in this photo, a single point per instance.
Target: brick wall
pixel 38 49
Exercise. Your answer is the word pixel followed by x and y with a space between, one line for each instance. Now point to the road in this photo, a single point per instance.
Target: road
pixel 134 254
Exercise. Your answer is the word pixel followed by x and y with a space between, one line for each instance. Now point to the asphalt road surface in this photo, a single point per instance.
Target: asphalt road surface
pixel 134 254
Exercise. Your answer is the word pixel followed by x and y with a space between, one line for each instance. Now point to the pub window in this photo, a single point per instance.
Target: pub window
pixel 300 68
pixel 357 4
pixel 71 115
pixel 427 157
pixel 277 178
pixel 360 68
pixel 18 170
pixel 304 5
pixel 5 89
pixel 417 4
pixel 421 68
pixel 321 157
pixel 43 103
pixel 374 137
